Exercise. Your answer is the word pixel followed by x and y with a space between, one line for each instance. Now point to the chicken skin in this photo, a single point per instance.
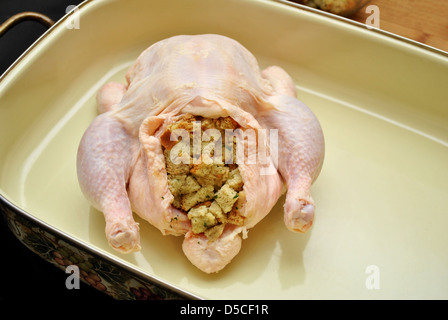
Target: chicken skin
pixel 193 87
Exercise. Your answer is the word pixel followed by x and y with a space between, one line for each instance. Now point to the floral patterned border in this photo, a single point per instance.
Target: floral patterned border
pixel 94 271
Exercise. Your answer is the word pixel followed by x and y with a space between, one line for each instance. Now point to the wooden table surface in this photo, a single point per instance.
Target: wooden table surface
pixel 425 21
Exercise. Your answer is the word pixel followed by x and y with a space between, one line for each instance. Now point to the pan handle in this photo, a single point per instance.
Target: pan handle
pixel 27 15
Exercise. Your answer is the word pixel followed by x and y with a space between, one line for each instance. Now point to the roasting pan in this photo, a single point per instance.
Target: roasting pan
pixel 382 195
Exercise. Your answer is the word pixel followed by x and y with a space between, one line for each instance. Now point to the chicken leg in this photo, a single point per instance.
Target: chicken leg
pixel 300 147
pixel 103 164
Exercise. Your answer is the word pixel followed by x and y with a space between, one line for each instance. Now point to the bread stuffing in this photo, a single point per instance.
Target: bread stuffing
pixel 205 192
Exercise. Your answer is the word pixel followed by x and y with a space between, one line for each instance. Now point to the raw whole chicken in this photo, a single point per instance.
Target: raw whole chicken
pixel 128 160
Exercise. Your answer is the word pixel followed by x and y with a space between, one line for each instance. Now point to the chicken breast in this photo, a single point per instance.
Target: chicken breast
pixel 126 161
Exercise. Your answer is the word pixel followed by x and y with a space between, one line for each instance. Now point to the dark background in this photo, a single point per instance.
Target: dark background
pixel 24 275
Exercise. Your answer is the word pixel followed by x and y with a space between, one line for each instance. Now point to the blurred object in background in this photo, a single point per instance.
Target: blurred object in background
pixel 340 7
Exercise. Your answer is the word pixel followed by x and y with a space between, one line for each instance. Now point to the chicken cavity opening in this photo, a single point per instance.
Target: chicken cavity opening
pixel 203 174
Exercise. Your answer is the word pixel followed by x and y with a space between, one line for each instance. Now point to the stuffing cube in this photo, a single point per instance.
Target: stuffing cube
pixel 202 195
pixel 173 168
pixel 182 184
pixel 216 210
pixel 215 232
pixel 201 219
pixel 226 197
pixel 235 181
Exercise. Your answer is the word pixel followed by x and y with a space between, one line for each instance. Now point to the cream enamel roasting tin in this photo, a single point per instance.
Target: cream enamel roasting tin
pixel 381 197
